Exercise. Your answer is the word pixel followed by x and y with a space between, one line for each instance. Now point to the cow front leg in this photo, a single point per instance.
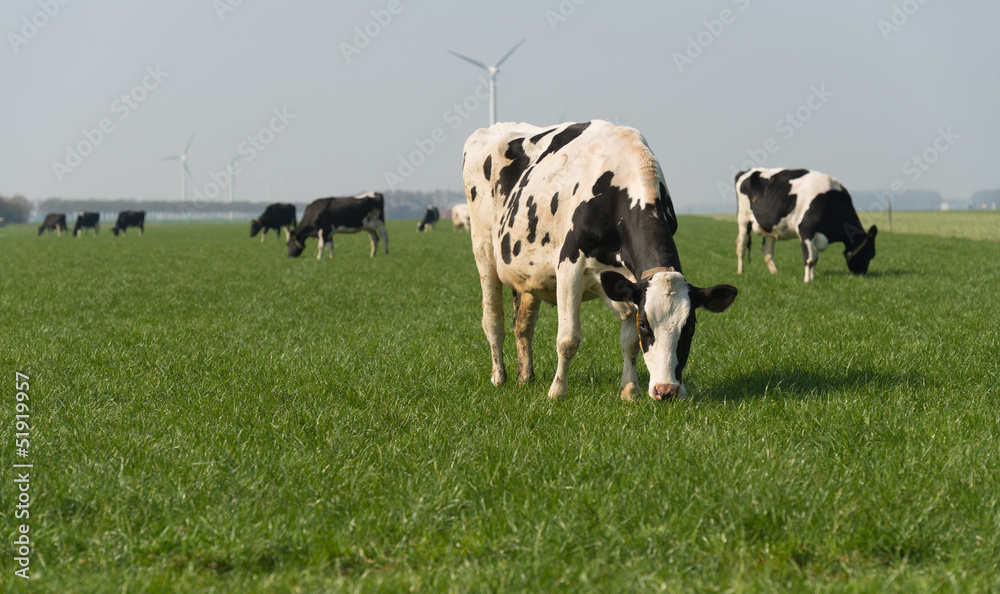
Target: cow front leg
pixel 385 236
pixel 373 239
pixel 810 255
pixel 319 254
pixel 525 317
pixel 263 233
pixel 768 249
pixel 568 298
pixel 630 351
pixel 288 233
pixel 329 244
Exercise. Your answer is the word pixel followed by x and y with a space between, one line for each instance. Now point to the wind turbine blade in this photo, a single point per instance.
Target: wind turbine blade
pixel 469 60
pixel 507 55
pixel 188 145
pixel 168 158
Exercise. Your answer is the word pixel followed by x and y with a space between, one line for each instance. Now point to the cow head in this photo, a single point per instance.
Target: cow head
pixel 114 230
pixel 295 246
pixel 665 321
pixel 255 227
pixel 861 255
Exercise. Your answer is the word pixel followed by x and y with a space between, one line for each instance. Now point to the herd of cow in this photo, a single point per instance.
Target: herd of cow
pixel 581 211
pixel 85 221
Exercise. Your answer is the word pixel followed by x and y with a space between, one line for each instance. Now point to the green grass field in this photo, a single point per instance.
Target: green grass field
pixel 208 414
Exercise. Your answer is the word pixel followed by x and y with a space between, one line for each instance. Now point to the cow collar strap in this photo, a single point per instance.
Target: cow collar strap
pixel 649 273
pixel 299 243
pixel 858 249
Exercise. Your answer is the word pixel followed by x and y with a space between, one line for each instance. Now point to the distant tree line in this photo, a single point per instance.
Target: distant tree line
pixel 14 210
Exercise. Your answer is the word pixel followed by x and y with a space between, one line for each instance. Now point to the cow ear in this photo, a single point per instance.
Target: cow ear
pixel 873 232
pixel 715 299
pixel 619 288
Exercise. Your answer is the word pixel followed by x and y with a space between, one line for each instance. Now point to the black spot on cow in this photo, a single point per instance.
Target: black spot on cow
pixel 518 163
pixel 545 239
pixel 472 193
pixel 532 218
pixel 517 247
pixel 571 133
pixel 576 187
pixel 771 199
pixel 668 208
pixel 638 238
pixel 505 249
pixel 538 137
pixel 555 203
pixel 515 202
pixel 488 167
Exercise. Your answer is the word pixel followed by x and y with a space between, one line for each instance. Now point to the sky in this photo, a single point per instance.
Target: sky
pixel 319 98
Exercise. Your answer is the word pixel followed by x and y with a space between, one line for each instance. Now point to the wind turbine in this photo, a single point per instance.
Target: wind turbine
pixel 492 70
pixel 185 170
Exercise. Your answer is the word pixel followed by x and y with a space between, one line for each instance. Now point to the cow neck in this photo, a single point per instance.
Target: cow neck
pixel 647 245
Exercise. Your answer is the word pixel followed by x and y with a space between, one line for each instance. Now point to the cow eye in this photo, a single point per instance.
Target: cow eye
pixel 643 326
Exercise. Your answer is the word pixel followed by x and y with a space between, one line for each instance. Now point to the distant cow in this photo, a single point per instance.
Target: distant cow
pixel 576 212
pixel 85 221
pixel 431 216
pixel 276 216
pixel 326 216
pixel 130 218
pixel 52 221
pixel 460 217
pixel 789 203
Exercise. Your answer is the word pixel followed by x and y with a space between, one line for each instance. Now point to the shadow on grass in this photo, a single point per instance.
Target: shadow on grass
pixel 796 383
pixel 894 272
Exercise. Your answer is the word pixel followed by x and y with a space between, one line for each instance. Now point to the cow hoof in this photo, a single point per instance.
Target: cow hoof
pixel 558 394
pixel 498 379
pixel 629 393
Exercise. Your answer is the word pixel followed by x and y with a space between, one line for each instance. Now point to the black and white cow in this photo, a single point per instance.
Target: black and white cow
pixel 276 216
pixel 85 221
pixel 812 206
pixel 53 221
pixel 130 218
pixel 326 216
pixel 431 216
pixel 574 212
pixel 460 217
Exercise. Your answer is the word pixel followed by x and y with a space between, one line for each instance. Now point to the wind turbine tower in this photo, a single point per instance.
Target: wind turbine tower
pixel 492 70
pixel 185 170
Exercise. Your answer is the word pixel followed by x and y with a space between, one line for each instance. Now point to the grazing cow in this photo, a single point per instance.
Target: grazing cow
pixel 52 221
pixel 326 216
pixel 130 218
pixel 85 221
pixel 460 217
pixel 431 216
pixel 789 203
pixel 575 212
pixel 276 216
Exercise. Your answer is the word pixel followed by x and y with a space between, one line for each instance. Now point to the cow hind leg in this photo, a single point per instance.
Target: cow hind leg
pixel 525 317
pixel 768 249
pixel 742 246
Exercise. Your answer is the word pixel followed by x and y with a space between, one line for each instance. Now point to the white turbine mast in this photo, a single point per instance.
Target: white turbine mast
pixel 492 71
pixel 185 170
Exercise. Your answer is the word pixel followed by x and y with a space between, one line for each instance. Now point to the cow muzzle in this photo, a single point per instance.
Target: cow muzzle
pixel 666 391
